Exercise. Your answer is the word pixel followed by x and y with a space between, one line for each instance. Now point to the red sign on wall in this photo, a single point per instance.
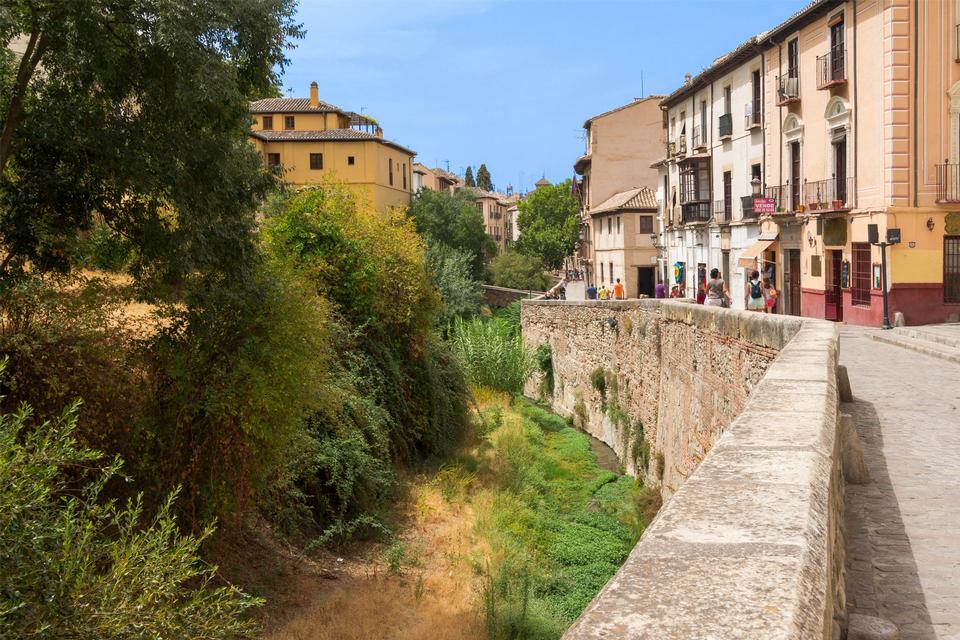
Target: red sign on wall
pixel 764 205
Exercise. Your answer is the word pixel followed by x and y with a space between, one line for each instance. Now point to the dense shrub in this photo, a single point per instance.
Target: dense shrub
pixel 450 271
pixel 75 566
pixel 519 271
pixel 493 354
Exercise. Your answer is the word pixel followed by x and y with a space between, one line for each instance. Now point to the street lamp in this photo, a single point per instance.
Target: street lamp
pixel 755 186
pixel 893 237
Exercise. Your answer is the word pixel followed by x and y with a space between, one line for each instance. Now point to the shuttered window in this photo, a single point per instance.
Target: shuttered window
pixel 861 273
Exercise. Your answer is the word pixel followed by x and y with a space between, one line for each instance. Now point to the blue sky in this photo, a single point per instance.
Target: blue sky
pixel 509 82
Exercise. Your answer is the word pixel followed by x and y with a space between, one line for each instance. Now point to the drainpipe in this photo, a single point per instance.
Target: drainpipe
pixel 780 115
pixel 916 98
pixel 763 137
pixel 856 112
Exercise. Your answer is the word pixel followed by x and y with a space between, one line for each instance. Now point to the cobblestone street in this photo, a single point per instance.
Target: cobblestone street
pixel 903 548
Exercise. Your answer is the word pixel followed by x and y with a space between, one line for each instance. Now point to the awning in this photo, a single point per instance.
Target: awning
pixel 749 257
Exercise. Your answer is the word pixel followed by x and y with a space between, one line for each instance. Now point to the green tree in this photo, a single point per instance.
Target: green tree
pixel 77 566
pixel 549 224
pixel 134 112
pixel 483 178
pixel 468 180
pixel 452 273
pixel 453 220
pixel 518 271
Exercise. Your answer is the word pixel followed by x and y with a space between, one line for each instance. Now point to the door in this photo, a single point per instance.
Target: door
pixel 791 280
pixel 840 165
pixel 725 267
pixel 645 282
pixel 794 176
pixel 833 308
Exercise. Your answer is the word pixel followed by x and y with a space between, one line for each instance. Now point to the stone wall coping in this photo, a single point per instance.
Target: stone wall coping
pixel 767 330
pixel 745 549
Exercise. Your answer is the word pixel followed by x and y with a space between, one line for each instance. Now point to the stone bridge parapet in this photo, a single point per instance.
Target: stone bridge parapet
pixel 736 415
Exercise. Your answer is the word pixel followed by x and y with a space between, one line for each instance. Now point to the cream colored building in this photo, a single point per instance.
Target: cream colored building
pixel 623 231
pixel 859 126
pixel 309 139
pixel 497 221
pixel 620 146
pixel 436 179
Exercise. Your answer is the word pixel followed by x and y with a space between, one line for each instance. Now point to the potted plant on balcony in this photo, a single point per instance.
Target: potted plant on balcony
pixel 813 206
pixel 838 204
pixel 801 208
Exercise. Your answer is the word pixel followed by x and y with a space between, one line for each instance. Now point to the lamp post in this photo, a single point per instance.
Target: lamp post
pixel 893 237
pixel 755 186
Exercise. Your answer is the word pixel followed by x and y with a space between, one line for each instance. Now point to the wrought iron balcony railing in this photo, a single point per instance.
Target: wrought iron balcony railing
pixel 747 212
pixel 753 115
pixel 831 69
pixel 948 182
pixel 721 212
pixel 832 194
pixel 699 138
pixel 788 89
pixel 696 212
pixel 726 125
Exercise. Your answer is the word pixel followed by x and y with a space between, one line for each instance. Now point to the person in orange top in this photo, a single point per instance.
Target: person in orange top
pixel 618 293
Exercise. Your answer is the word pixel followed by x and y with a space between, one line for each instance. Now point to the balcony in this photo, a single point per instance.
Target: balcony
pixel 721 212
pixel 948 182
pixel 784 196
pixel 671 149
pixel 726 125
pixel 699 138
pixel 747 212
pixel 696 212
pixel 682 145
pixel 833 194
pixel 788 90
pixel 831 69
pixel 753 116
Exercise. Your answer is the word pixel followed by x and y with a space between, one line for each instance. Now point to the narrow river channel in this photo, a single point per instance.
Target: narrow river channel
pixel 606 457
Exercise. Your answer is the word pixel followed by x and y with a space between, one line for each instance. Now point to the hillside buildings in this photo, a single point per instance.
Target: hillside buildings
pixel 310 139
pixel 618 196
pixel 786 155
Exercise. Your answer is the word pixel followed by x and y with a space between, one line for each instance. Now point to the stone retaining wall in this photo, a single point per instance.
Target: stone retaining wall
pixel 739 411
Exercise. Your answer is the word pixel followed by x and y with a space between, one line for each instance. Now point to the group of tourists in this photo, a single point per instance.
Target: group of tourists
pixel 758 295
pixel 615 292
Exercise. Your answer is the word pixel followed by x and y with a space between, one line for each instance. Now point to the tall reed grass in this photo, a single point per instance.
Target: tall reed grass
pixel 493 354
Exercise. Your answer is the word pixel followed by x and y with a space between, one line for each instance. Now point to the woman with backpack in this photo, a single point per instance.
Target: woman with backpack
pixel 755 300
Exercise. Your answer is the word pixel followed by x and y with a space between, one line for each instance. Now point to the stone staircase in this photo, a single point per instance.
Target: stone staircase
pixel 939 340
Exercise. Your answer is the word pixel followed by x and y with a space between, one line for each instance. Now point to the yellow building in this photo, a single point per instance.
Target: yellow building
pixel 311 139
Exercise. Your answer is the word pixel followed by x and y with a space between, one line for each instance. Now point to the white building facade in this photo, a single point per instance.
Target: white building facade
pixel 712 173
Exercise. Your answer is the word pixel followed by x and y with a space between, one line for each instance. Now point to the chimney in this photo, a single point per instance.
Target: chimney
pixel 314 97
pixel 686 78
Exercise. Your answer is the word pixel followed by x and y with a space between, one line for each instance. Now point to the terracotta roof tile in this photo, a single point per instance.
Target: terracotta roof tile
pixel 640 198
pixel 292 105
pixel 323 136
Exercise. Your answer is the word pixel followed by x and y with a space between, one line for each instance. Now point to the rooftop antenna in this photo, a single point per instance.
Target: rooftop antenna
pixel 362 109
pixel 290 91
pixel 448 165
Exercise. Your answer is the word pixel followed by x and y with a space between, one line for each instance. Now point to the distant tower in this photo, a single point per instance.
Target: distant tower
pixel 509 189
pixel 542 182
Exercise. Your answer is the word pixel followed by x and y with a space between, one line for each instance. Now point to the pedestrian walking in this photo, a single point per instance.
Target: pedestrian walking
pixel 592 292
pixel 753 294
pixel 660 291
pixel 771 295
pixel 618 292
pixel 717 293
pixel 603 293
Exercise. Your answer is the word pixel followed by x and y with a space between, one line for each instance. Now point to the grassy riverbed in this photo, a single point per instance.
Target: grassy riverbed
pixel 511 538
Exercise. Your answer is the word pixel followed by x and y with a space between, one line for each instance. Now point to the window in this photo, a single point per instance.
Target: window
pixel 611 273
pixel 602 279
pixel 861 273
pixel 618 224
pixel 273 159
pixel 703 122
pixel 267 123
pixel 609 225
pixel 793 58
pixel 404 172
pixel 756 106
pixel 350 160
pixel 727 101
pixel 645 224
pixel 755 173
pixel 951 269
pixel 390 170
pixel 316 161
pixel 289 122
